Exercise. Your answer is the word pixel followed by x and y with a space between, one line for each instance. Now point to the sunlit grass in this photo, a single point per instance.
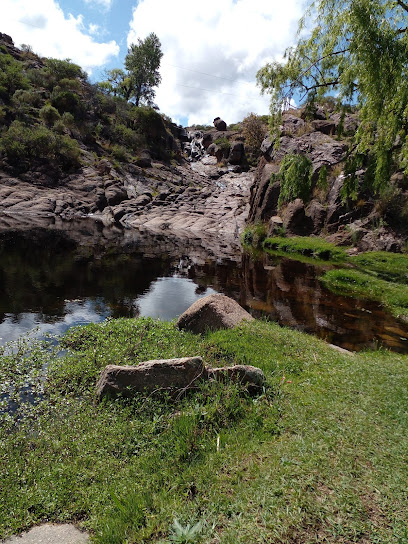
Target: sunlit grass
pixel 319 456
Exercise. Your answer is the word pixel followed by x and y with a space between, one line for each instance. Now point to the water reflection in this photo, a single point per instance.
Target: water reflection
pixel 52 282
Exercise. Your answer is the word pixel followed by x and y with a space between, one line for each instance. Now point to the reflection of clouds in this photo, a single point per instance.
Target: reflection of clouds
pixel 169 297
pixel 76 313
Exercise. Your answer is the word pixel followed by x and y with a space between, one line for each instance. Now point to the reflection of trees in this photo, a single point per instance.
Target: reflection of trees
pixel 38 276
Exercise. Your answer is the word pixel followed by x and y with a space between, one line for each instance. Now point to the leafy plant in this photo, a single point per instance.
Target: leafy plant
pixel 186 534
pixel 295 175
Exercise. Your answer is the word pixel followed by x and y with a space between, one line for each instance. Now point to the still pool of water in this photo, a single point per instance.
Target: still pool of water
pixel 51 282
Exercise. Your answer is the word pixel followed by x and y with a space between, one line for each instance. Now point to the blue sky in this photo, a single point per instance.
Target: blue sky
pixel 212 49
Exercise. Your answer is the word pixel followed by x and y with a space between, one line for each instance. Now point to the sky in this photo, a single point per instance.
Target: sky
pixel 212 50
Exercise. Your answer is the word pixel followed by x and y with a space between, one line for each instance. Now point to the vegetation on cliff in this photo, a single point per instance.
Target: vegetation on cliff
pixel 50 113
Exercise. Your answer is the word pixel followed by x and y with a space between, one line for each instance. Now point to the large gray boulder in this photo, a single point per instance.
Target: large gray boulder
pixel 212 313
pixel 170 374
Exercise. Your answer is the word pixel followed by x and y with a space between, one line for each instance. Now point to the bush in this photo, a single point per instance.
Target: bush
pixel 295 175
pixel 224 144
pixel 254 130
pixel 66 101
pixel 12 76
pixel 64 69
pixel 49 114
pixel 22 143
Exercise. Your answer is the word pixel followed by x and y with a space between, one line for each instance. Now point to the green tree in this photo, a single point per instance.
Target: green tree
pixel 142 63
pixel 117 83
pixel 357 51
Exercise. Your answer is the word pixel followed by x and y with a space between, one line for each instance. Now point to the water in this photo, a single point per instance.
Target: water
pixel 52 281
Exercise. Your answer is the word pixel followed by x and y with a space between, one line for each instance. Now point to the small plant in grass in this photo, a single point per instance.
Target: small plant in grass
pixel 185 534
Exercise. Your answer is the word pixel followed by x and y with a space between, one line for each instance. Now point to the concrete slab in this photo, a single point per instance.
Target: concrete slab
pixel 50 534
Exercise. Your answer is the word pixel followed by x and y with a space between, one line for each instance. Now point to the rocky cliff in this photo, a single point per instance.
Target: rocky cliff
pixel 361 219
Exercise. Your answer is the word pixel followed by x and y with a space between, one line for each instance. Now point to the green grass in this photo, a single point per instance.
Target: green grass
pixel 315 248
pixel 387 266
pixel 320 456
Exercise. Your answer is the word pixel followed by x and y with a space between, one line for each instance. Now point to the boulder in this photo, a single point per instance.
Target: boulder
pixel 207 139
pixel 327 126
pixel 275 226
pixel 295 220
pixel 236 153
pixel 171 374
pixel 220 124
pixel 250 376
pixel 213 312
pixel 144 160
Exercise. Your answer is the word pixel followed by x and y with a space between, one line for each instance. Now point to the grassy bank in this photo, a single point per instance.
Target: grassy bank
pixel 374 275
pixel 320 456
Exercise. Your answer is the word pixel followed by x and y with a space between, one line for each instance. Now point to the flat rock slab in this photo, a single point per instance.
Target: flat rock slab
pixel 148 376
pixel 50 534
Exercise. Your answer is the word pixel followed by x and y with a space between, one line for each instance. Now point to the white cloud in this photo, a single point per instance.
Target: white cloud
pixel 230 39
pixel 43 25
pixel 104 3
pixel 93 29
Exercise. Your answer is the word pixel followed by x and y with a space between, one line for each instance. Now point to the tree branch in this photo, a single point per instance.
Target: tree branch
pixel 402 4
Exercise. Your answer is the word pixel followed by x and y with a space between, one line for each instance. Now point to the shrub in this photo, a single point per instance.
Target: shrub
pixel 64 69
pixel 49 114
pixel 21 143
pixel 66 101
pixel 254 130
pixel 224 144
pixel 295 175
pixel 12 76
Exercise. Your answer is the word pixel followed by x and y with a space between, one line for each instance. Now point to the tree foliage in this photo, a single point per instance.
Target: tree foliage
pixel 357 51
pixel 295 176
pixel 142 63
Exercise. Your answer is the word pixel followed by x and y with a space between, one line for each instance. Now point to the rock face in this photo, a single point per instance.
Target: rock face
pixel 316 135
pixel 212 313
pixel 171 374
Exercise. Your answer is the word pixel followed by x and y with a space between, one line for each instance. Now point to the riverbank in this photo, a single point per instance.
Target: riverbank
pixel 319 456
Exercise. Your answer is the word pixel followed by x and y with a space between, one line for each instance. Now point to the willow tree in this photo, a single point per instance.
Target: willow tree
pixel 357 51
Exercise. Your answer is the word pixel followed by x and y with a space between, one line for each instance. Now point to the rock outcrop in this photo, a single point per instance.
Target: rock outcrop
pixel 326 211
pixel 212 313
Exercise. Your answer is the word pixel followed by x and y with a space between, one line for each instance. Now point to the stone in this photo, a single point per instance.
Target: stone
pixel 292 124
pixel 264 195
pixel 144 160
pixel 148 376
pixel 220 124
pixel 317 213
pixel 326 126
pixel 295 220
pixel 275 225
pixel 250 376
pixel 50 534
pixel 213 312
pixel 103 167
pixel 237 153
